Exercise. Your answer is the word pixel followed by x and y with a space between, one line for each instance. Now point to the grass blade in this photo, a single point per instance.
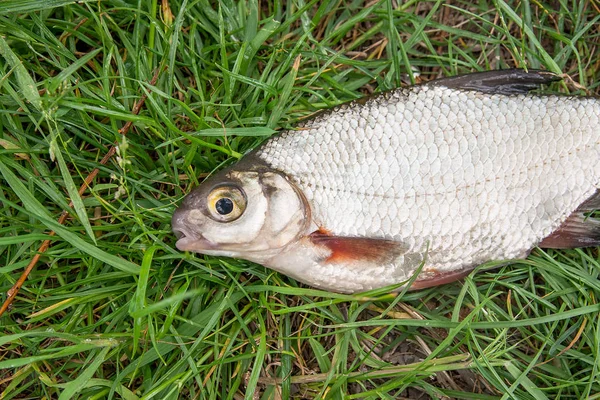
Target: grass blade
pixel 75 386
pixel 26 84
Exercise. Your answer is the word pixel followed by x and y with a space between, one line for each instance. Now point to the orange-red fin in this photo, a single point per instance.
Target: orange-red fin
pixel 591 204
pixel 440 278
pixel 577 230
pixel 348 249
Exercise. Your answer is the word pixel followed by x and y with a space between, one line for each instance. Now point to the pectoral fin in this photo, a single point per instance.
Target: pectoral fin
pixel 349 249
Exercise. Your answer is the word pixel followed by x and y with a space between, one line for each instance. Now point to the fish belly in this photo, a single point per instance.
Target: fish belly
pixel 459 177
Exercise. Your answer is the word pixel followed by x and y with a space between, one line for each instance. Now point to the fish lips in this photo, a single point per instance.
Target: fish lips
pixel 197 244
pixel 204 246
pixel 188 241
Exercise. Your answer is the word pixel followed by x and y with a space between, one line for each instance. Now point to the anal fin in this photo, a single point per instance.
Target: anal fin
pixel 578 230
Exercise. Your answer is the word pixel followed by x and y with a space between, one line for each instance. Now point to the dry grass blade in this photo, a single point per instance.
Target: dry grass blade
pixel 425 368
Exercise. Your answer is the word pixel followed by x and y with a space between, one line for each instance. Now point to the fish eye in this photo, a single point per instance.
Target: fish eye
pixel 224 206
pixel 226 203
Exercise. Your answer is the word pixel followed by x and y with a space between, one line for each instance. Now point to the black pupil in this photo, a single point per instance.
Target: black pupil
pixel 224 206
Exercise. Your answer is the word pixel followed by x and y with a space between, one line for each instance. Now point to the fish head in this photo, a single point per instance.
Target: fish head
pixel 246 211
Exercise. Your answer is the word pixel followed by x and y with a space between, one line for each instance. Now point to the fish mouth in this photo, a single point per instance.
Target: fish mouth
pixel 192 243
pixel 199 244
pixel 186 240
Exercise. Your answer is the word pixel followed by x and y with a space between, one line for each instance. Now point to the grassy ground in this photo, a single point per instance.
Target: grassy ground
pixel 112 310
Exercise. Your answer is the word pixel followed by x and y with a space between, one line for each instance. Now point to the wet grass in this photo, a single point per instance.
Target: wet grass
pixel 167 92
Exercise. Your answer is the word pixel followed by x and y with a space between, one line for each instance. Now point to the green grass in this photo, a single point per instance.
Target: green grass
pixel 113 310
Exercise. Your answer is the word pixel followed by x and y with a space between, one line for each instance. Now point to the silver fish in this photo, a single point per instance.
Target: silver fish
pixel 435 178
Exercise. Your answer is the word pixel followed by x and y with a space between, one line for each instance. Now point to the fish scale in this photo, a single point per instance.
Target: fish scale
pixel 498 173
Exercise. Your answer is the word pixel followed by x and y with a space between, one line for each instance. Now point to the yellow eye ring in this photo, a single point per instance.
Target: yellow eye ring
pixel 226 203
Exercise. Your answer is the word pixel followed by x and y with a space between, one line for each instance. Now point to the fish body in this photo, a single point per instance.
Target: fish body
pixel 436 178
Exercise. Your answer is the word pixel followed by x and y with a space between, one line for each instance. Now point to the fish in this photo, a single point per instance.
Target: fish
pixel 414 186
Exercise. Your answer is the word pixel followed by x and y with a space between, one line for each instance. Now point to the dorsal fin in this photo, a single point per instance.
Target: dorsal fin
pixel 509 81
